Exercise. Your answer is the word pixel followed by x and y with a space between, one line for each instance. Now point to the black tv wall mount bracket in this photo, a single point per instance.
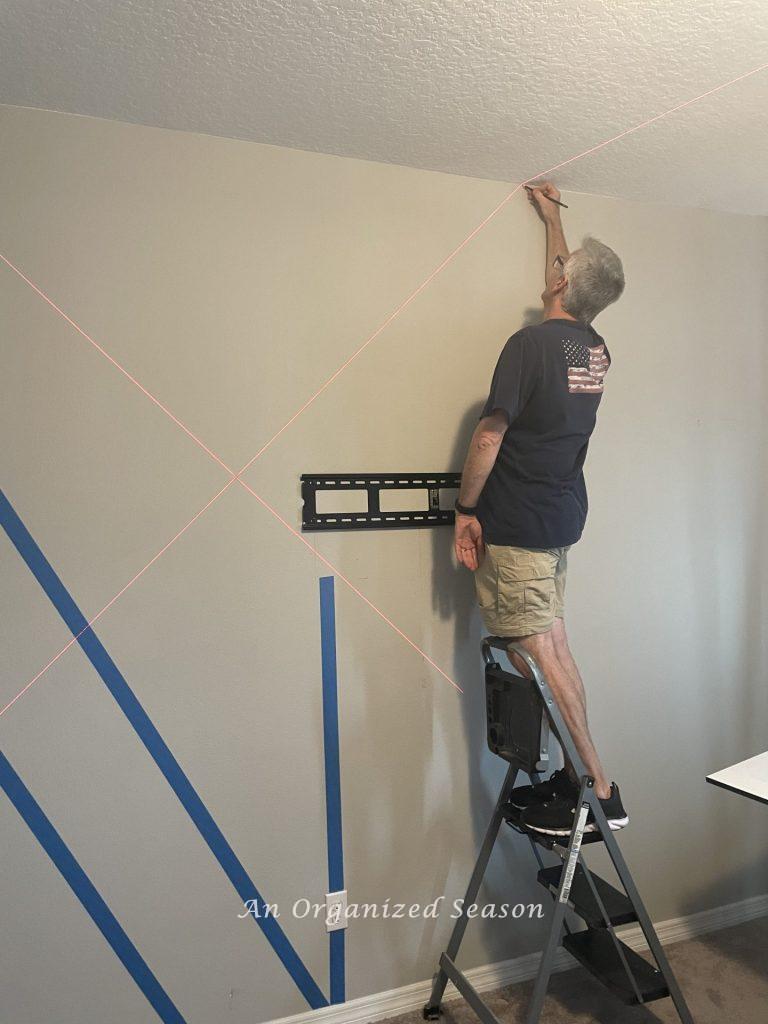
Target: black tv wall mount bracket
pixel 373 484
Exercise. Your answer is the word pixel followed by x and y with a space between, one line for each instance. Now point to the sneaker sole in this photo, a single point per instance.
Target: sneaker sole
pixel 615 824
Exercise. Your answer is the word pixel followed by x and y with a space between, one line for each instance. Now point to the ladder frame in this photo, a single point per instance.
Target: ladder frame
pixel 587 800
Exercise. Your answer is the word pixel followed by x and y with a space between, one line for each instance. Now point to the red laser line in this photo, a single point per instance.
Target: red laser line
pixel 349 583
pixel 118 365
pixel 109 604
pixel 644 124
pixel 173 540
pixel 403 305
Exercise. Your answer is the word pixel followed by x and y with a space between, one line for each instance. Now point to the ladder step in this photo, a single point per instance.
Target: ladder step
pixel 594 949
pixel 617 904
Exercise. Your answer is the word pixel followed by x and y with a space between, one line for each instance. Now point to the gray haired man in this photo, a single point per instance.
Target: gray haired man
pixel 523 500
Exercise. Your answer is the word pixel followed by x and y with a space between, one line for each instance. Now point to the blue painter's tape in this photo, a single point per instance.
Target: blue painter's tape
pixel 86 892
pixel 158 750
pixel 332 774
pixel 337 955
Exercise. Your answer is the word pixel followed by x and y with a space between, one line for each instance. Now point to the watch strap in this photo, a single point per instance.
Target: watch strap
pixel 465 510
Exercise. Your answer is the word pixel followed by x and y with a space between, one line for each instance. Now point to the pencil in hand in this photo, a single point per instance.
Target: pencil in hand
pixel 564 205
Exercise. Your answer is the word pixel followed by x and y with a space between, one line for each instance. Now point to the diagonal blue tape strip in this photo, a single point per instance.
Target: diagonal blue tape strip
pixel 158 750
pixel 86 892
pixel 332 774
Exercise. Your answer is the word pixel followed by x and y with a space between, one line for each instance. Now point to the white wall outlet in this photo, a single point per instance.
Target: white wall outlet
pixel 336 910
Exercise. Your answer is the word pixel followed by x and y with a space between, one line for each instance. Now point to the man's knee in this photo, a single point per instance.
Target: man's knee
pixel 559 637
pixel 540 646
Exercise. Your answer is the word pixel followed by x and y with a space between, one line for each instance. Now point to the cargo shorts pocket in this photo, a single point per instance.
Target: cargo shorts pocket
pixel 486 585
pixel 526 589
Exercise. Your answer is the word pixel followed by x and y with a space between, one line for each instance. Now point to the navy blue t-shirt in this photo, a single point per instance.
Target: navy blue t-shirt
pixel 549 381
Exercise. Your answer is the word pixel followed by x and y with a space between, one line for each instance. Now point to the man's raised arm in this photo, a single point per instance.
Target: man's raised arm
pixel 550 214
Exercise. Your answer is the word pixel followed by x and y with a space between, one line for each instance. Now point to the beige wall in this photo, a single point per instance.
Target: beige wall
pixel 232 279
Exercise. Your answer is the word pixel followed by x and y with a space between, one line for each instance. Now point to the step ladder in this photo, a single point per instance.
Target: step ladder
pixel 522 714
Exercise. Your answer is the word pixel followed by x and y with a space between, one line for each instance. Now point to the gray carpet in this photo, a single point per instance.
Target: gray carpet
pixel 723 975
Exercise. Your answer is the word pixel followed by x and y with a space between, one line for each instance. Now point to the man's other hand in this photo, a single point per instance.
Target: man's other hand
pixel 537 197
pixel 468 541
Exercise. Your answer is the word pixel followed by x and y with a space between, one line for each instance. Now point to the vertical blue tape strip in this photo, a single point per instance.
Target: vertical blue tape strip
pixel 158 750
pixel 332 774
pixel 86 892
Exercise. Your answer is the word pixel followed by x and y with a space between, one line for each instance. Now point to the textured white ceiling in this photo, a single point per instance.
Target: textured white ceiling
pixel 490 88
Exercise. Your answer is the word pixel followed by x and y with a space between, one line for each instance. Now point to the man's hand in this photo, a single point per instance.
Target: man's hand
pixel 537 197
pixel 481 457
pixel 468 541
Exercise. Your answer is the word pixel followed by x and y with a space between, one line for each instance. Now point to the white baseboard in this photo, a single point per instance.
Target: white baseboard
pixel 507 972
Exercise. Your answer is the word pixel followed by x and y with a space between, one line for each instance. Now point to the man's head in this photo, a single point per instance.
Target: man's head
pixel 592 278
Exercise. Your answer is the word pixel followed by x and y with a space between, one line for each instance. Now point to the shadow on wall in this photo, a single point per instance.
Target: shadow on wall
pixel 456 597
pixel 453 599
pixel 532 315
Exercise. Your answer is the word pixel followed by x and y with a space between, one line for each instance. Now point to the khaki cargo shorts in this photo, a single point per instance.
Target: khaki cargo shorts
pixel 521 590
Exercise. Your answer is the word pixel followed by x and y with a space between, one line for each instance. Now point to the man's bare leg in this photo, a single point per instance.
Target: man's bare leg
pixel 566 659
pixel 567 688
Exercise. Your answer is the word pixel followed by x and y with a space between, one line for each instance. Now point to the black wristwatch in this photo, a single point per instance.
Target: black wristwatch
pixel 464 510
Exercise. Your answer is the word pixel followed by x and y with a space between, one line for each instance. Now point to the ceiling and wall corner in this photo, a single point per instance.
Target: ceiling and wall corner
pixel 489 89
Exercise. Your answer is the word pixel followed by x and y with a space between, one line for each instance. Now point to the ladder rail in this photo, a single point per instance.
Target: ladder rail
pixel 467 989
pixel 646 925
pixel 535 777
pixel 566 740
pixel 587 801
pixel 561 905
pixel 441 978
pixel 609 925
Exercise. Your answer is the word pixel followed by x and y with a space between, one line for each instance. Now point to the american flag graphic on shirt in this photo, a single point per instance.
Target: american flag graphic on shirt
pixel 587 367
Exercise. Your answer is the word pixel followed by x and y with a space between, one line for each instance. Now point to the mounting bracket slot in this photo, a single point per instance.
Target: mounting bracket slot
pixel 373 484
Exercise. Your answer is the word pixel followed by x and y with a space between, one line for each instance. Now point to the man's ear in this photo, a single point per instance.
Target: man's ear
pixel 560 285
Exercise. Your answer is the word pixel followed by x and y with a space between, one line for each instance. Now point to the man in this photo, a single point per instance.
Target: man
pixel 523 500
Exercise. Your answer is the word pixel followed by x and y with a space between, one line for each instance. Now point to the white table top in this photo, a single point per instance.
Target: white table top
pixel 748 777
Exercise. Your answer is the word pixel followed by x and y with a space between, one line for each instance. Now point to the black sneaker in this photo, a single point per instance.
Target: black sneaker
pixel 559 786
pixel 555 818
